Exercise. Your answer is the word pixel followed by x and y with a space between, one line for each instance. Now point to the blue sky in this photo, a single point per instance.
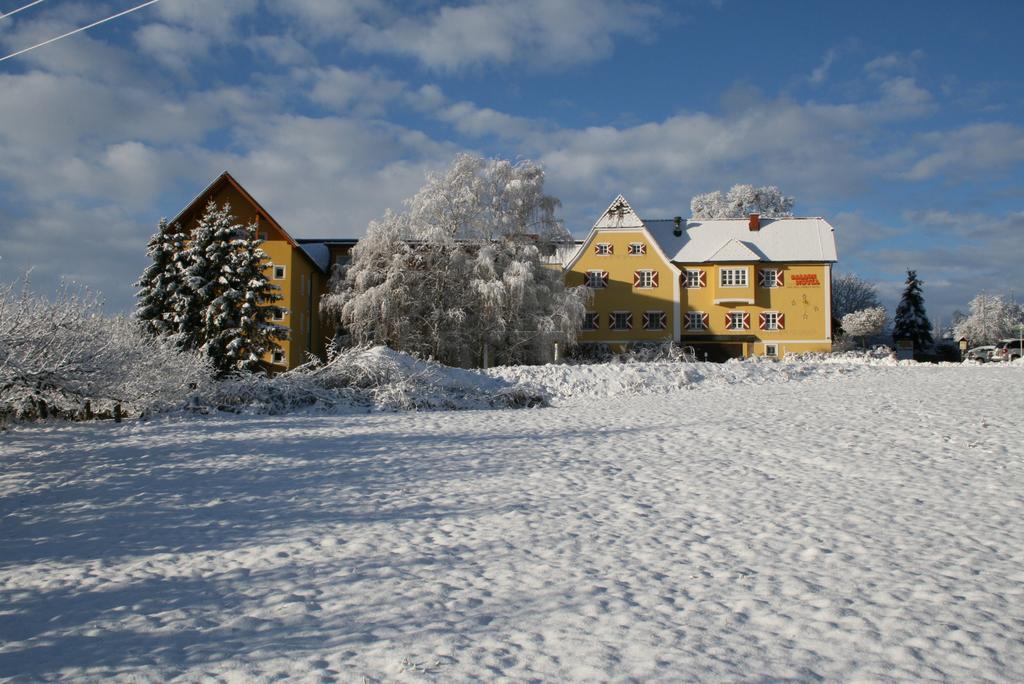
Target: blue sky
pixel 899 122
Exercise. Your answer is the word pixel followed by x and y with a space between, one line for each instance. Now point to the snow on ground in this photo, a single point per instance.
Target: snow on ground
pixel 857 525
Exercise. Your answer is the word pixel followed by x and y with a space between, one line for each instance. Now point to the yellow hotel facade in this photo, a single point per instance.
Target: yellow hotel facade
pixel 726 287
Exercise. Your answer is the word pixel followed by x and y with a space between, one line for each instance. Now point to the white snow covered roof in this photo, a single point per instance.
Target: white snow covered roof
pixel 318 253
pixel 780 239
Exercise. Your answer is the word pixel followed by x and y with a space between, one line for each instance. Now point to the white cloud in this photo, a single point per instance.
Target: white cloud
pixel 820 73
pixel 984 147
pixel 367 92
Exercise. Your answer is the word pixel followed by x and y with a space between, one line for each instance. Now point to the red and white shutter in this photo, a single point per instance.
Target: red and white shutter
pixel 643 247
pixel 705 320
pixel 728 322
pixel 703 278
pixel 762 277
pixel 604 278
pixel 629 321
pixel 778 279
pixel 646 320
pixel 746 321
pixel 762 320
pixel 597 248
pixel 654 279
pixel 781 318
pixel 636 278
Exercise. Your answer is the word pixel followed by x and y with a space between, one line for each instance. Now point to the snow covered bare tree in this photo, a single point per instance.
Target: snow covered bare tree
pixel 911 321
pixel 992 318
pixel 160 281
pixel 865 323
pixel 460 271
pixel 851 293
pixel 740 201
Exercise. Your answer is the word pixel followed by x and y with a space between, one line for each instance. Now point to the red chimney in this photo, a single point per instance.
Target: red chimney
pixel 755 222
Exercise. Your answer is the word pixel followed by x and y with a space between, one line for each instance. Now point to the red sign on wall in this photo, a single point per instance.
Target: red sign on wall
pixel 805 279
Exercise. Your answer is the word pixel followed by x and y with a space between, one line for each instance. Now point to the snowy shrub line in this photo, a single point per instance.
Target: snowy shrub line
pixel 374 377
pixel 64 358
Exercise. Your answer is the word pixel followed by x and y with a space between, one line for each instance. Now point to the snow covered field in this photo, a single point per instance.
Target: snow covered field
pixel 833 522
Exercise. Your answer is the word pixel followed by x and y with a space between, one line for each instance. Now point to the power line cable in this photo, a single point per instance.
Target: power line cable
pixel 79 30
pixel 13 12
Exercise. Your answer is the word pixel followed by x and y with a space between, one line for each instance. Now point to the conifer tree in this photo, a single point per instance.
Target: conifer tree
pixel 911 321
pixel 160 281
pixel 257 333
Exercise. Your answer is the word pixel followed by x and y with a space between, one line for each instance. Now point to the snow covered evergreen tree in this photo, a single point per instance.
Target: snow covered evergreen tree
pixel 992 318
pixel 160 281
pixel 257 333
pixel 459 274
pixel 911 321
pixel 740 201
pixel 217 305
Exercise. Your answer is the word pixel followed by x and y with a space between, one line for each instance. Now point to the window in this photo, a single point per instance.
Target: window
pixel 279 272
pixel 771 350
pixel 769 277
pixel 695 278
pixel 591 320
pixel 263 236
pixel 279 313
pixel 737 320
pixel 637 248
pixel 732 277
pixel 771 320
pixel 621 320
pixel 655 320
pixel 277 356
pixel 645 279
pixel 604 249
pixel 596 279
pixel 696 320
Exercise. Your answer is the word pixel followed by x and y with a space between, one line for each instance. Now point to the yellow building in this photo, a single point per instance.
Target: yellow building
pixel 299 270
pixel 727 287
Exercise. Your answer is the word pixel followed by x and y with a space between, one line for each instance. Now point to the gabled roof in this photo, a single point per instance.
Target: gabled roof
pixel 779 239
pixel 227 179
pixel 735 250
pixel 619 215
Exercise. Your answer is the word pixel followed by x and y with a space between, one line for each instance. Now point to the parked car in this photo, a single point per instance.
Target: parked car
pixel 1008 350
pixel 982 353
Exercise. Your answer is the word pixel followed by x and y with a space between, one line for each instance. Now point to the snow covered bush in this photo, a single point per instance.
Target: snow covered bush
pixel 459 276
pixel 375 377
pixel 852 293
pixel 740 201
pixel 865 323
pixel 64 357
pixel 992 318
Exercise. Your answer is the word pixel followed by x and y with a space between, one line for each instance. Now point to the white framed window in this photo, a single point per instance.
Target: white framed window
pixel 695 278
pixel 621 320
pixel 737 320
pixel 596 279
pixel 637 248
pixel 279 313
pixel 645 279
pixel 604 249
pixel 591 320
pixel 771 320
pixel 769 277
pixel 279 272
pixel 771 350
pixel 732 277
pixel 277 356
pixel 655 320
pixel 696 320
